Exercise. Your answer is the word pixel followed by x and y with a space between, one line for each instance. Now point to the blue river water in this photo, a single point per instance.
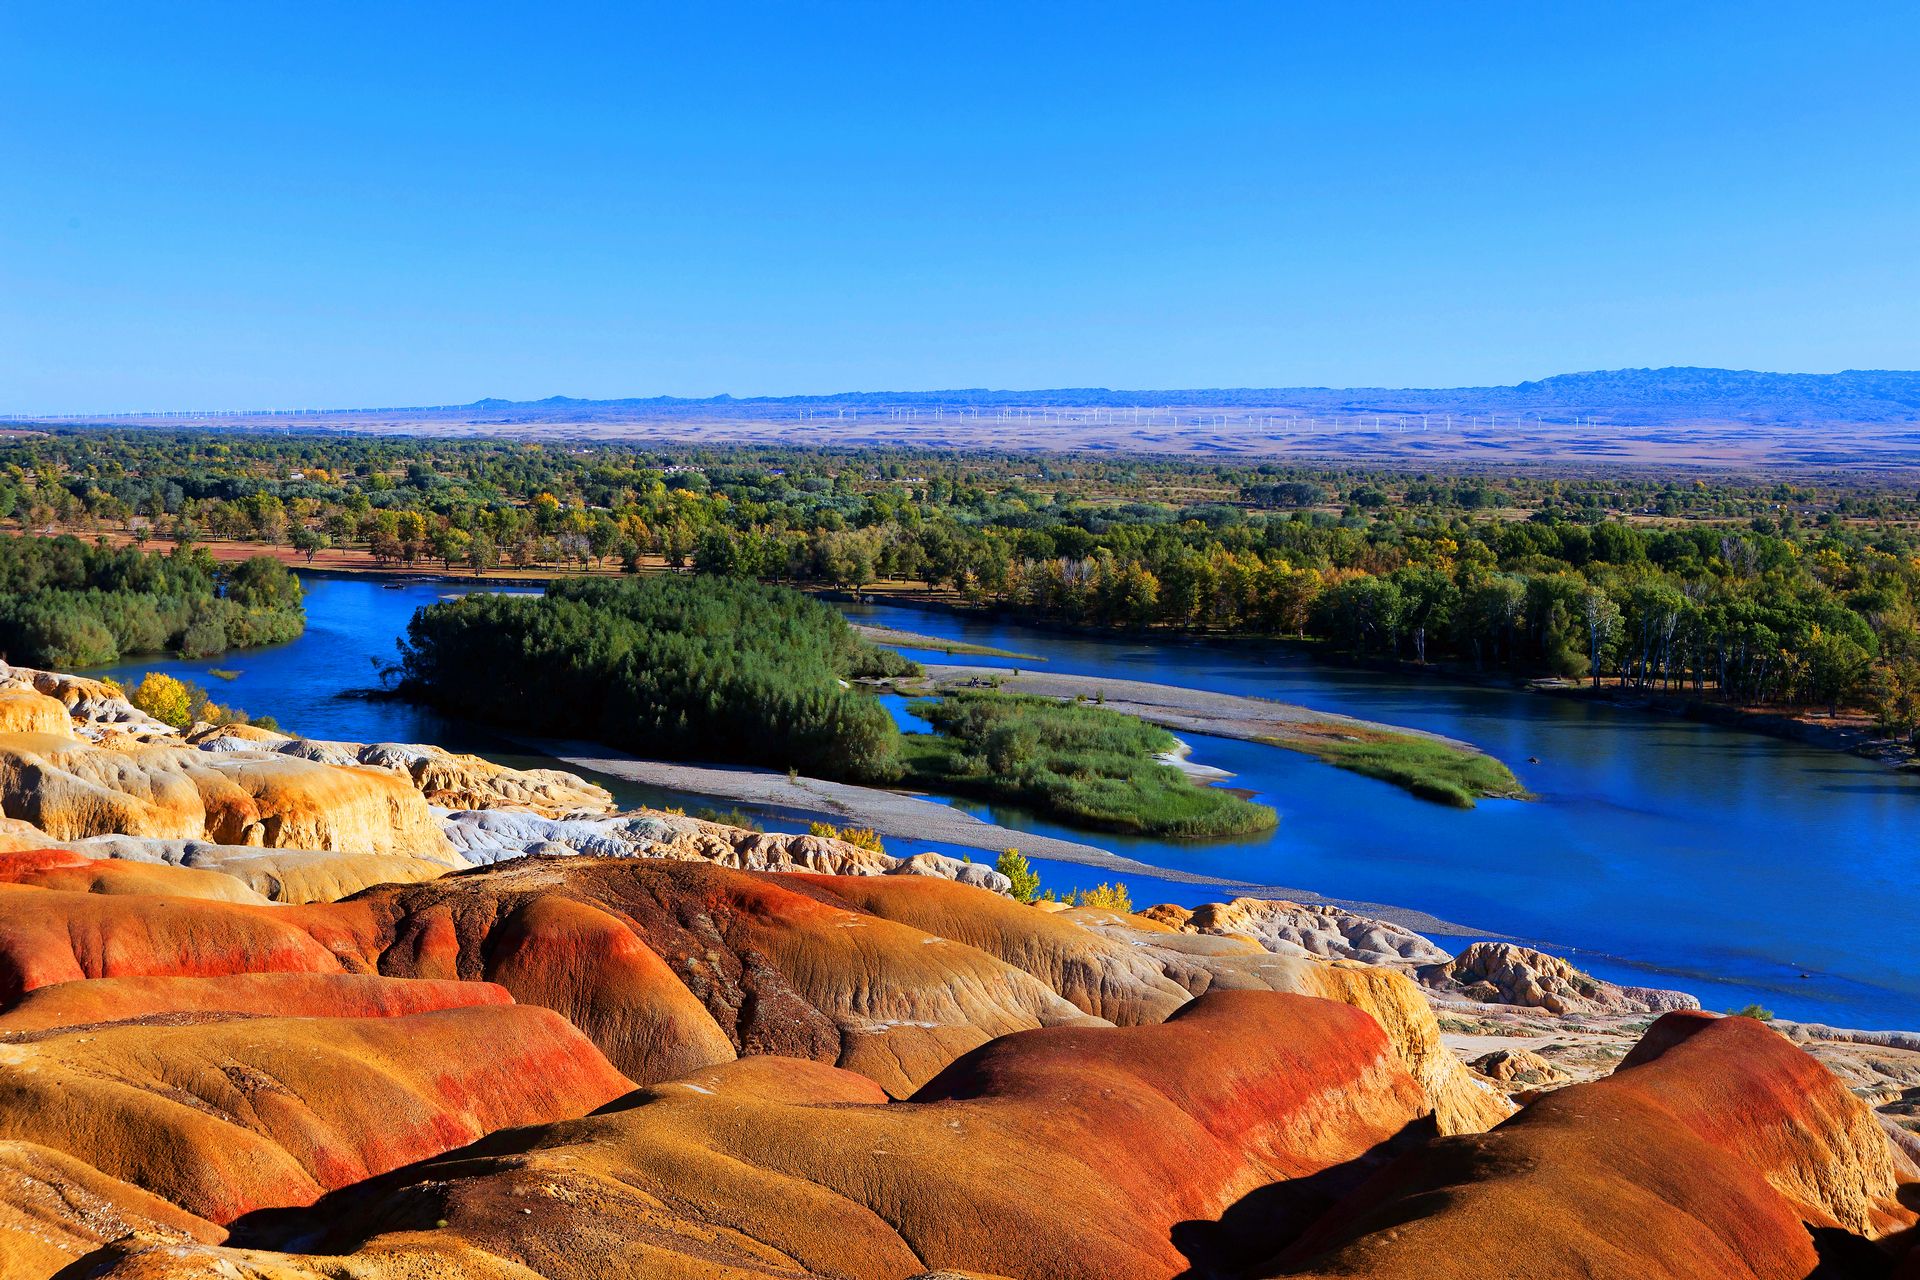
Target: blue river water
pixel 1659 851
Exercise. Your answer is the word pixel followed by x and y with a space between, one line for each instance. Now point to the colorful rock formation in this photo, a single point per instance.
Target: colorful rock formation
pixel 275 1009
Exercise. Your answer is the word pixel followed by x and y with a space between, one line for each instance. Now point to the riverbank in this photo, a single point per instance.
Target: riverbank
pixel 1429 765
pixel 905 816
pixel 1853 734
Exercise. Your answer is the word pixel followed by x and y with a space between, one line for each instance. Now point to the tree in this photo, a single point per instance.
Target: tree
pixel 164 698
pixel 1836 666
pixel 310 542
pixel 1026 882
pixel 1602 618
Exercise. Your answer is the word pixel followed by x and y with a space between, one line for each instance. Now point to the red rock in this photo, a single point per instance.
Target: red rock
pixel 1718 1151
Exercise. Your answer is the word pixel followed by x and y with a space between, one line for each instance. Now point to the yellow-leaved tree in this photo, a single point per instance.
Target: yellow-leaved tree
pixel 164 698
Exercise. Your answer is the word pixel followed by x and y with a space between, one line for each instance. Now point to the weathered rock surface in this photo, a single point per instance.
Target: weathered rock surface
pixel 71 789
pixel 275 875
pixel 1717 1150
pixel 222 1115
pixel 1242 1104
pixel 1291 928
pixel 671 965
pixel 55 1210
pixel 1504 973
pixel 24 710
pixel 1518 1069
pixel 495 835
pixel 1202 962
pixel 444 778
pixel 288 995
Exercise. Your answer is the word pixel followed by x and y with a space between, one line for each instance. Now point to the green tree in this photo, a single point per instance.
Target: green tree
pixel 1026 882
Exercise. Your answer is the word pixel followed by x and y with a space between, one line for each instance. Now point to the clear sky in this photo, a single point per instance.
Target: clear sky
pixel 341 204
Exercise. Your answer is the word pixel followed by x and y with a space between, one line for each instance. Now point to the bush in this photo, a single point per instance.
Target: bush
pixel 65 604
pixel 1026 882
pixel 164 698
pixel 1107 897
pixel 1759 1013
pixel 859 837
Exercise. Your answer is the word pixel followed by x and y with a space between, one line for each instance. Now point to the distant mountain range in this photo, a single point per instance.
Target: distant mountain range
pixel 1626 397
pixel 1620 395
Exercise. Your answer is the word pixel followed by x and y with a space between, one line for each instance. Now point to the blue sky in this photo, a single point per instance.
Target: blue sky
pixel 262 205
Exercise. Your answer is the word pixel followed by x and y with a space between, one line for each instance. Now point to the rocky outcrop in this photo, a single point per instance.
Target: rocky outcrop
pixel 1717 1150
pixel 56 1210
pixel 1100 977
pixel 28 711
pixel 1066 1154
pixel 495 835
pixel 71 789
pixel 1291 928
pixel 1518 1069
pixel 445 779
pixel 93 708
pixel 1503 973
pixel 288 995
pixel 673 965
pixel 1202 962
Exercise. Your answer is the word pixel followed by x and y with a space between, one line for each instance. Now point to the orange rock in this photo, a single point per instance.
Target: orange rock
pixel 57 935
pixel 301 995
pixel 1060 1154
pixel 64 869
pixel 225 1116
pixel 56 1210
pixel 1101 978
pixel 28 711
pixel 1717 1150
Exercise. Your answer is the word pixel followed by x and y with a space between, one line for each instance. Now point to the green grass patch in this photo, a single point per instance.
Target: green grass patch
pixel 1082 764
pixel 1432 770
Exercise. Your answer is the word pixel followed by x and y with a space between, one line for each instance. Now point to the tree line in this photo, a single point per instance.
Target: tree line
pixel 67 604
pixel 1762 591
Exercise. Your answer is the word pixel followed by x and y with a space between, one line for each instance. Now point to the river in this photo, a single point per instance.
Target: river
pixel 1659 851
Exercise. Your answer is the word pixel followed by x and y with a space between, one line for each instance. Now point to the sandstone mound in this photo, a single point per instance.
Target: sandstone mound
pixel 444 778
pixel 290 995
pixel 56 935
pixel 56 1210
pixel 1504 973
pixel 71 789
pixel 274 875
pixel 224 1116
pixel 671 965
pixel 1099 977
pixel 28 711
pixel 67 869
pixel 1717 1150
pixel 1202 962
pixel 1099 1153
